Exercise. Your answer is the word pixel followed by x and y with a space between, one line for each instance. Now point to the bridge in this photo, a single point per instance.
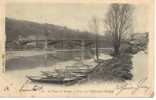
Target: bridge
pixel 57 44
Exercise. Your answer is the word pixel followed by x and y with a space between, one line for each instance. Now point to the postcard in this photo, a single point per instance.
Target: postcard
pixel 77 48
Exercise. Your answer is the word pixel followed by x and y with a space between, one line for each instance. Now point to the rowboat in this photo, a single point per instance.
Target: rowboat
pixel 59 76
pixel 69 74
pixel 53 80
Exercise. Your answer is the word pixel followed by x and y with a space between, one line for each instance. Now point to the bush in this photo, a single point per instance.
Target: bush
pixel 121 67
pixel 117 68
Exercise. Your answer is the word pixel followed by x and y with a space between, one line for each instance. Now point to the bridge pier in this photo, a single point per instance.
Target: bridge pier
pixel 82 49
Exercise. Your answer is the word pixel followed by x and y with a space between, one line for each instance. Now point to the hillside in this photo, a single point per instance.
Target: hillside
pixel 14 28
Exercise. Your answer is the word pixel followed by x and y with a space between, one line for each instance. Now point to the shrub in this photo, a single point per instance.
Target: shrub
pixel 117 68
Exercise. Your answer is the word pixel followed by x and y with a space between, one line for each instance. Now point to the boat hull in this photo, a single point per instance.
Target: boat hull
pixel 53 80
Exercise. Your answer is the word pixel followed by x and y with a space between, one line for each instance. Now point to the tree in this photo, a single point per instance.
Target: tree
pixel 118 22
pixel 94 27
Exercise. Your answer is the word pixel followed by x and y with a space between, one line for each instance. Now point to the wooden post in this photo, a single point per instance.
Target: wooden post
pixel 45 49
pixel 96 48
pixel 82 49
pixel 62 44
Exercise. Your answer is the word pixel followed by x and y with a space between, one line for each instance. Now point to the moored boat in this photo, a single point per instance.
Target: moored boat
pixel 74 74
pixel 53 80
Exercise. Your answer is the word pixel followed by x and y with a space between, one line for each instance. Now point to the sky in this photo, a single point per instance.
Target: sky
pixel 75 16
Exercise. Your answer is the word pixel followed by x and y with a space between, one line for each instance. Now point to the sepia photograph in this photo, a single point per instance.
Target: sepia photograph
pixel 75 46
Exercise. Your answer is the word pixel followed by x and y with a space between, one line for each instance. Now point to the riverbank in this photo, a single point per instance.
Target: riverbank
pixel 122 68
pixel 115 69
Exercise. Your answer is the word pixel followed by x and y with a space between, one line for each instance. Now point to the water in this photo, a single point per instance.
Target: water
pixel 19 67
